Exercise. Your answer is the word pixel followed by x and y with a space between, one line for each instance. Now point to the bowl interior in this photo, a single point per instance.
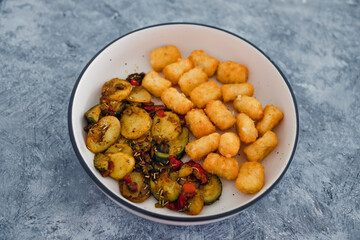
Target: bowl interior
pixel 130 53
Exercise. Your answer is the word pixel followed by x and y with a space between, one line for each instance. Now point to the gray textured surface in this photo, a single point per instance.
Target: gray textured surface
pixel 45 44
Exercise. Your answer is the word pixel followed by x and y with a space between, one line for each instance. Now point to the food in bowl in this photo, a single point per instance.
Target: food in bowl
pixel 141 144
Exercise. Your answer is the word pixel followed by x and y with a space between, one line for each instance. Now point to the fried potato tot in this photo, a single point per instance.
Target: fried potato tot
pixel 219 115
pixel 251 177
pixel 272 116
pixel 155 84
pixel 191 79
pixel 229 144
pixel 207 63
pixel 162 56
pixel 174 70
pixel 221 166
pixel 245 127
pixel 203 146
pixel 204 93
pixel 230 91
pixel 231 72
pixel 249 105
pixel 258 150
pixel 199 124
pixel 176 101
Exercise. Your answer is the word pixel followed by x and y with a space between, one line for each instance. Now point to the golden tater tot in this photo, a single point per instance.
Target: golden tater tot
pixel 176 101
pixel 251 177
pixel 207 63
pixel 258 150
pixel 191 79
pixel 221 166
pixel 203 146
pixel 230 91
pixel 219 115
pixel 249 105
pixel 245 127
pixel 231 72
pixel 162 56
pixel 199 124
pixel 174 70
pixel 272 116
pixel 229 144
pixel 155 84
pixel 204 93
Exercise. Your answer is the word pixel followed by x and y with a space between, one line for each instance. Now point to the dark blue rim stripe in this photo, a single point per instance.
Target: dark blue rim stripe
pixel 149 213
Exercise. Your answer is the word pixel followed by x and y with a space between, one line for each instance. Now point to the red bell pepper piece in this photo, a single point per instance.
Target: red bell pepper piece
pixel 132 186
pixel 179 204
pixel 175 164
pixel 134 82
pixel 189 189
pixel 111 111
pixel 110 169
pixel 160 113
pixel 201 172
pixel 149 108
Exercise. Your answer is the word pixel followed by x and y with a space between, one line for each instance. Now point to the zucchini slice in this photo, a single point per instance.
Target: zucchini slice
pixel 212 190
pixel 123 164
pixel 135 122
pixel 120 147
pixel 161 158
pixel 117 106
pixel 142 191
pixel 103 134
pixel 167 127
pixel 139 95
pixel 116 89
pixel 176 148
pixel 165 187
pixel 101 162
pixel 93 114
pixel 195 204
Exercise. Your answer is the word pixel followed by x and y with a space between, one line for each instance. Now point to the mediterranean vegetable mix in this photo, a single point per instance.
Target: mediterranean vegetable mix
pixel 141 144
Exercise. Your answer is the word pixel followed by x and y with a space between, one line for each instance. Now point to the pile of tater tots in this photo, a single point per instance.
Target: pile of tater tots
pixel 202 102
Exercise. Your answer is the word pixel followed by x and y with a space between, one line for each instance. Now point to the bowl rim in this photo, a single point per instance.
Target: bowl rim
pixel 197 219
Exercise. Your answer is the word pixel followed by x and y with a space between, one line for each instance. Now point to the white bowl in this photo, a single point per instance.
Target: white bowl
pixel 130 53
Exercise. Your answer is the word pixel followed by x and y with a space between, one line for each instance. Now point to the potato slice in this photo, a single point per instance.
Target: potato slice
pixel 135 122
pixel 103 134
pixel 139 95
pixel 123 164
pixel 116 89
pixel 195 204
pixel 120 147
pixel 167 127
pixel 140 193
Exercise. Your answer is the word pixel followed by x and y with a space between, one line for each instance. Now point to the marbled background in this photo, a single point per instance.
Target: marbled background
pixel 45 44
